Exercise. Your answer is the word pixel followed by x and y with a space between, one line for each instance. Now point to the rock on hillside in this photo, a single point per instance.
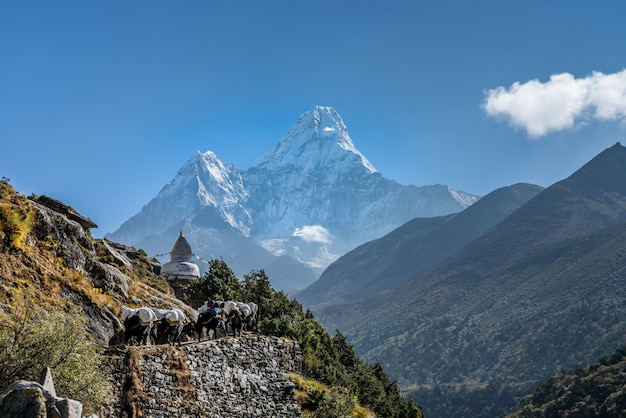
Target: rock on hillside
pixel 49 259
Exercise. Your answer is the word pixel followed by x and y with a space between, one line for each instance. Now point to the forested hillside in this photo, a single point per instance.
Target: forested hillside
pixel 542 289
pixel 598 390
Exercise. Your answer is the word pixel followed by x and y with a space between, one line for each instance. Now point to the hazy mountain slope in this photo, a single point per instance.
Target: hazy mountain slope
pixel 214 239
pixel 544 288
pixel 313 198
pixel 389 261
pixel 355 271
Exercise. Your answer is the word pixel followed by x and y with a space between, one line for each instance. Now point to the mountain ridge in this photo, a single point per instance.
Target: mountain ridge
pixel 313 198
pixel 542 289
pixel 392 259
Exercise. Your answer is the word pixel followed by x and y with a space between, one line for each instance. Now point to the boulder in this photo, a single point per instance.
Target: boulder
pixel 68 211
pixel 24 401
pixel 69 408
pixel 47 382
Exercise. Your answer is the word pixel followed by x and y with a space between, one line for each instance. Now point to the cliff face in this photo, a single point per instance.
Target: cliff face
pixel 229 377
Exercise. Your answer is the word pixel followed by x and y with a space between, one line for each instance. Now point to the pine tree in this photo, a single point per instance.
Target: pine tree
pixel 218 283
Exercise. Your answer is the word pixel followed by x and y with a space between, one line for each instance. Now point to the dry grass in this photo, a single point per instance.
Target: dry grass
pixel 40 278
pixel 133 391
pixel 32 269
pixel 185 382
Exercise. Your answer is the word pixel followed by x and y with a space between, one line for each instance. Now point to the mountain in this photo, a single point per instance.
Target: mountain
pixel 300 207
pixel 387 262
pixel 202 183
pixel 543 289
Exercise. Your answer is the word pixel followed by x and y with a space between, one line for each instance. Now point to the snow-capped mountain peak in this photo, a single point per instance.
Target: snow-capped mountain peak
pixel 319 138
pixel 226 178
pixel 210 180
pixel 310 200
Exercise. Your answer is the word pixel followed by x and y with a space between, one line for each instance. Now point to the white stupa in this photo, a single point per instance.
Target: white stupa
pixel 181 267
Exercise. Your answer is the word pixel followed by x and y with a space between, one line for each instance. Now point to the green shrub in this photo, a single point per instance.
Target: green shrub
pixel 323 403
pixel 31 340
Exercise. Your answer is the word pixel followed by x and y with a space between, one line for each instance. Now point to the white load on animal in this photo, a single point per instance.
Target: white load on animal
pixel 160 313
pixel 146 315
pixel 175 316
pixel 138 324
pixel 245 310
pixel 254 307
pixel 229 306
pixel 176 321
pixel 128 312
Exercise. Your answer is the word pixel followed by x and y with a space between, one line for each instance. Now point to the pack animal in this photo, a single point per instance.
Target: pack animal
pixel 170 326
pixel 138 325
pixel 165 332
pixel 211 320
pixel 239 319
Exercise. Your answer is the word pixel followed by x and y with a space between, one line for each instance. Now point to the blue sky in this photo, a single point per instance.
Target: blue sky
pixel 101 102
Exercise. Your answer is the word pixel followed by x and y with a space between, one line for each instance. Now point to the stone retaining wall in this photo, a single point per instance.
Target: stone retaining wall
pixel 228 377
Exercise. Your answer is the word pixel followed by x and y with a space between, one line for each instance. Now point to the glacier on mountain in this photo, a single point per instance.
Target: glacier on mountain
pixel 312 199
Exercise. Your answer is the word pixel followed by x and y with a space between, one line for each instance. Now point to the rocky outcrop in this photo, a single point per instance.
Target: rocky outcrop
pixel 70 212
pixel 25 399
pixel 106 265
pixel 69 241
pixel 228 377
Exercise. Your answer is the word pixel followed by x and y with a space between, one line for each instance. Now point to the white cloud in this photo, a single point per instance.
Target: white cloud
pixel 560 103
pixel 313 233
pixel 609 95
